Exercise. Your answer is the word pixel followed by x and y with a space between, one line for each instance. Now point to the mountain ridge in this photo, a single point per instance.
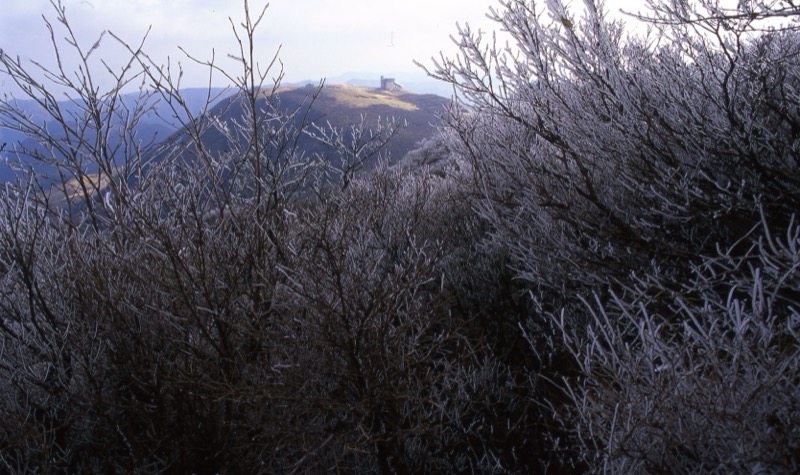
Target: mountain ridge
pixel 337 105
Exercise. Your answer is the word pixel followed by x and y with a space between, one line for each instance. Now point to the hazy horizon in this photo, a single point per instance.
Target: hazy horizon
pixel 317 38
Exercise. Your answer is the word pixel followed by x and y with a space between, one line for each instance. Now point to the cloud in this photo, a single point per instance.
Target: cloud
pixel 319 37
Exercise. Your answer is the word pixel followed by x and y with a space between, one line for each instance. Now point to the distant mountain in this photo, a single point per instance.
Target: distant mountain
pixel 415 82
pixel 156 124
pixel 341 105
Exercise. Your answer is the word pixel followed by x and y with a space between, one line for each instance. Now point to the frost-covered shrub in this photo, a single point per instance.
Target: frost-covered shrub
pixel 702 378
pixel 600 155
pixel 390 367
pixel 170 308
pixel 138 325
pixel 599 151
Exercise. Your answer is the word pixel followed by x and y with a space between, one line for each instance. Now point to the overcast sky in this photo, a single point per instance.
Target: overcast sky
pixel 319 38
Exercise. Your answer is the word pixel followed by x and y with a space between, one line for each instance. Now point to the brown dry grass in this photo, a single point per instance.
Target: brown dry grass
pixel 363 97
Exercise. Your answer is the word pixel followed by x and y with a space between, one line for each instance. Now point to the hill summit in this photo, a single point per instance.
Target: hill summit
pixel 342 105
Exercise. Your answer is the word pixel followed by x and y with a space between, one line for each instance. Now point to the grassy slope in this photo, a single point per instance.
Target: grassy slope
pixel 344 105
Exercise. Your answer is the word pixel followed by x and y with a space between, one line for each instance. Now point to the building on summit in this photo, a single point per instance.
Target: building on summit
pixel 388 84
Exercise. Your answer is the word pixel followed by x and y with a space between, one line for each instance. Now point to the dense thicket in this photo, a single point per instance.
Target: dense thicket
pixel 594 268
pixel 645 189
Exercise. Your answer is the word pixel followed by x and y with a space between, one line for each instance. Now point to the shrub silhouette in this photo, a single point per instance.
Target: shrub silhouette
pixel 592 268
